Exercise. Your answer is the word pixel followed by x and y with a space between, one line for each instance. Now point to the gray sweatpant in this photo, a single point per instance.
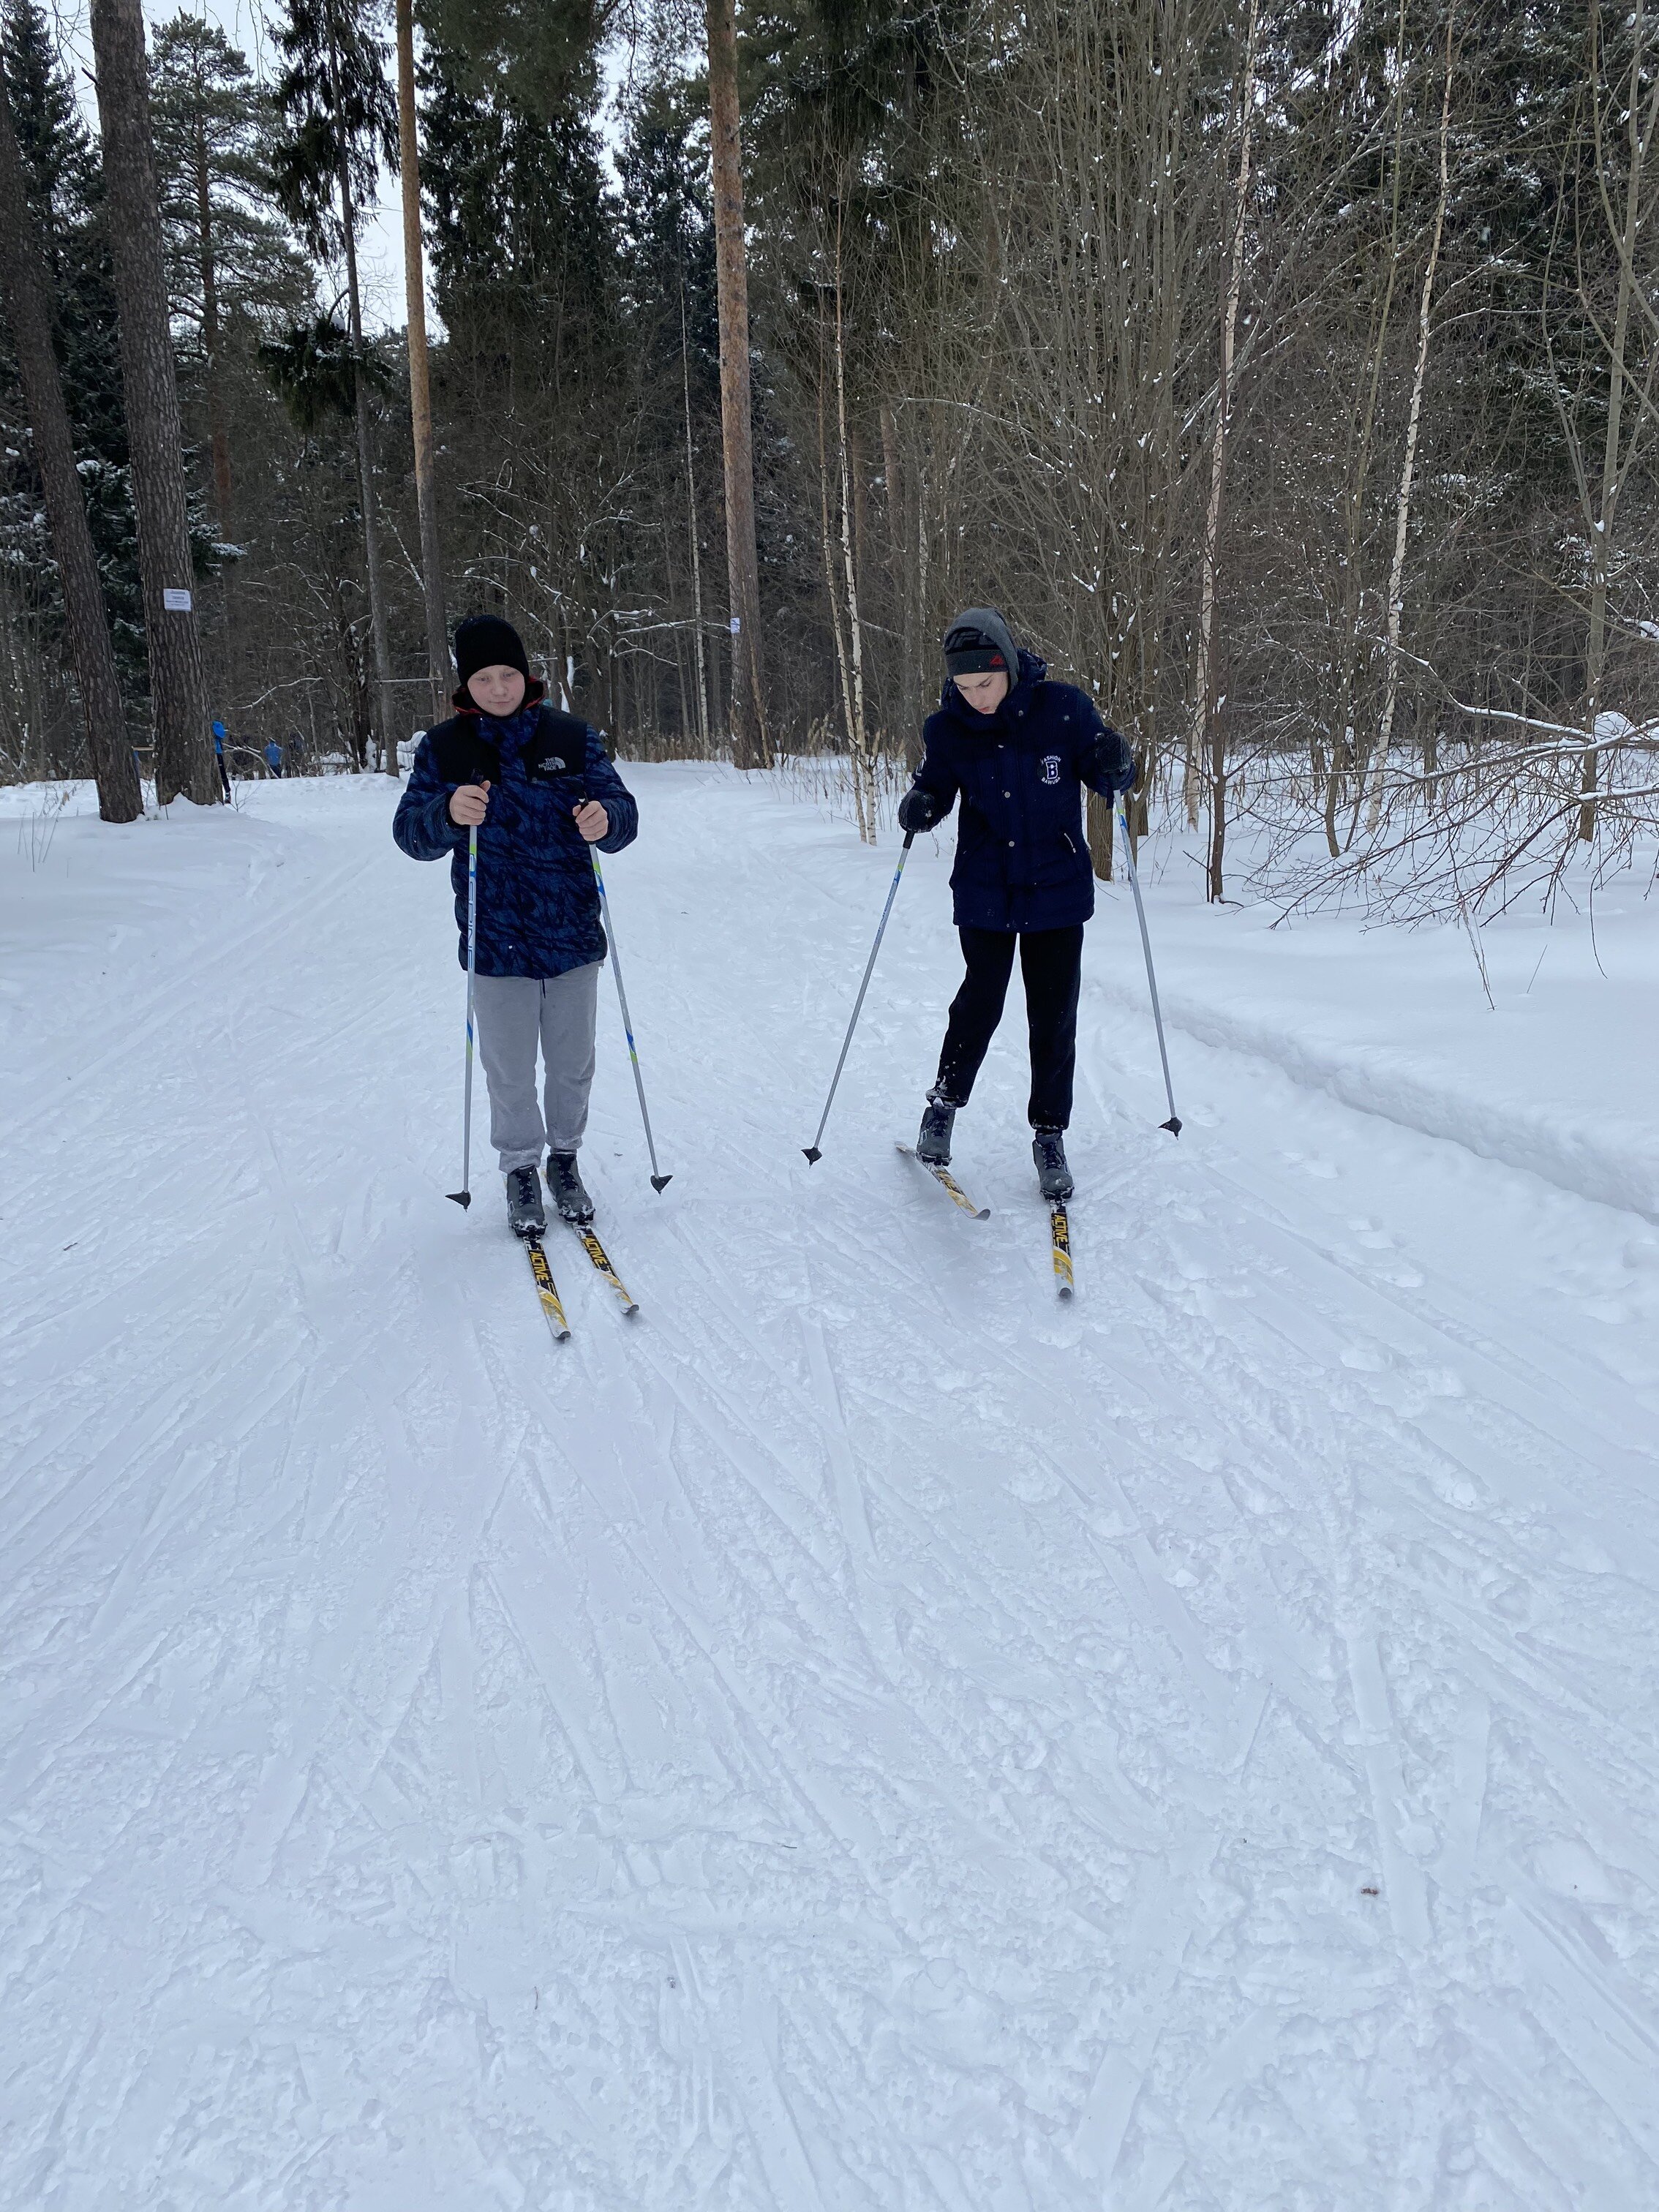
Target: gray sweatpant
pixel 512 1012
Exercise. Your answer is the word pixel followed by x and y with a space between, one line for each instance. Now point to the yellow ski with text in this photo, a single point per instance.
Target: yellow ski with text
pixel 601 1259
pixel 546 1290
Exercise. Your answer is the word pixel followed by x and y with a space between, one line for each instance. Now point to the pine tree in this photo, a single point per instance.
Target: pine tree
pixel 671 319
pixel 230 262
pixel 342 123
pixel 521 239
pixel 64 188
pixel 184 747
pixel 539 375
pixel 752 746
pixel 26 286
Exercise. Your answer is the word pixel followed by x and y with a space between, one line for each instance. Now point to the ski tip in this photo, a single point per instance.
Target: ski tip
pixel 659 1183
pixel 812 1155
pixel 1173 1125
pixel 461 1198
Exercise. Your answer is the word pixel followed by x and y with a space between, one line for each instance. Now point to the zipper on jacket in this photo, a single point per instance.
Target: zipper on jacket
pixel 1066 835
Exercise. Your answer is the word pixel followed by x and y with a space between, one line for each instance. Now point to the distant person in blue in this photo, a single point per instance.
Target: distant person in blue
pixel 274 756
pixel 1017 750
pixel 220 733
pixel 539 789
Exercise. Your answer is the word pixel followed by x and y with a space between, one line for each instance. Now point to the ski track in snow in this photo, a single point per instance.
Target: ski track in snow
pixel 863 1735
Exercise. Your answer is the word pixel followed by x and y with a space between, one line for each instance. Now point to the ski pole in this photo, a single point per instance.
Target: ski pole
pixel 813 1155
pixel 1173 1125
pixel 657 1180
pixel 463 1197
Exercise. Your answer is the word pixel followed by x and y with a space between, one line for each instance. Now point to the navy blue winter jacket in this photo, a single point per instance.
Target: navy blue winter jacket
pixel 1022 858
pixel 538 906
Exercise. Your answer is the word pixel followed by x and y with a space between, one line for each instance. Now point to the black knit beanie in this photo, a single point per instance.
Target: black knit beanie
pixel 979 640
pixel 486 641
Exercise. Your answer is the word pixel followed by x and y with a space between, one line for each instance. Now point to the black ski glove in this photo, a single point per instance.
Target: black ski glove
pixel 918 811
pixel 1112 770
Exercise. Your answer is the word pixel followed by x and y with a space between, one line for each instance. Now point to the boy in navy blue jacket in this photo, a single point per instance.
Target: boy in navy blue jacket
pixel 539 789
pixel 1018 750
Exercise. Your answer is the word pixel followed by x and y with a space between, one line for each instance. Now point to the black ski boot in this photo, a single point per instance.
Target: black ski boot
pixel 565 1182
pixel 524 1213
pixel 933 1140
pixel 1048 1150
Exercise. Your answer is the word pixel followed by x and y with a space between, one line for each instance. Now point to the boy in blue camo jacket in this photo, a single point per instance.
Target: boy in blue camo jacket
pixel 540 790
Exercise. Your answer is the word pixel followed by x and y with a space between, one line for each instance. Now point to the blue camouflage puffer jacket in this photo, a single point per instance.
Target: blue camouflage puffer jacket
pixel 538 905
pixel 1021 857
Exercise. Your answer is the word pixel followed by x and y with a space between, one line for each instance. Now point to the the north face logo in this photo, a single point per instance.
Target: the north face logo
pixel 1051 768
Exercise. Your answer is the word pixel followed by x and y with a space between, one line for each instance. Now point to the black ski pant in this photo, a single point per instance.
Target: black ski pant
pixel 1051 962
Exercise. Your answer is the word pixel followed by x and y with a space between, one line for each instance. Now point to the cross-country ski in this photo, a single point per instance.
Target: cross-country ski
pixel 948 1183
pixel 546 1290
pixel 602 1266
pixel 1060 1241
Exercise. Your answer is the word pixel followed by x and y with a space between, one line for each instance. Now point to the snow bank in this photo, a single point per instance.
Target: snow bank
pixel 1556 1074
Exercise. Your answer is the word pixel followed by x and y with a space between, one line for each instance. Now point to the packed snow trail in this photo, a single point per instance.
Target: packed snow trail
pixel 862 1734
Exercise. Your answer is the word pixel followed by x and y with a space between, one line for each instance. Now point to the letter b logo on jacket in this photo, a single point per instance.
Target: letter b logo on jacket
pixel 1051 768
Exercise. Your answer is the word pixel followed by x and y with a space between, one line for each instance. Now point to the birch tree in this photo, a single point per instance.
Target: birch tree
pixel 1402 510
pixel 1208 744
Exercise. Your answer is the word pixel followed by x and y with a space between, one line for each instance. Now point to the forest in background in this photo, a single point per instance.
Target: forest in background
pixel 1286 372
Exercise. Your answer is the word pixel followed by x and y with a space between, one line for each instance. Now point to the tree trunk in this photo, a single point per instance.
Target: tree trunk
pixel 749 736
pixel 218 436
pixel 844 667
pixel 1205 729
pixel 380 715
pixel 419 380
pixel 899 571
pixel 24 282
pixel 1639 132
pixel 691 526
pixel 1414 419
pixel 184 747
pixel 381 711
pixel 863 762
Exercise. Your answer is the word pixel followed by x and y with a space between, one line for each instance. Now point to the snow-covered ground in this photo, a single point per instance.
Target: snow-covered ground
pixel 864 1734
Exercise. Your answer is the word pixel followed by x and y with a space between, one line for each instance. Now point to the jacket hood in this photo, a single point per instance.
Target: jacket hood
pixel 1032 673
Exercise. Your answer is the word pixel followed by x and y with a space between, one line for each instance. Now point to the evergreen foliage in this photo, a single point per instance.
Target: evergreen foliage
pixel 216 147
pixel 339 115
pixel 61 162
